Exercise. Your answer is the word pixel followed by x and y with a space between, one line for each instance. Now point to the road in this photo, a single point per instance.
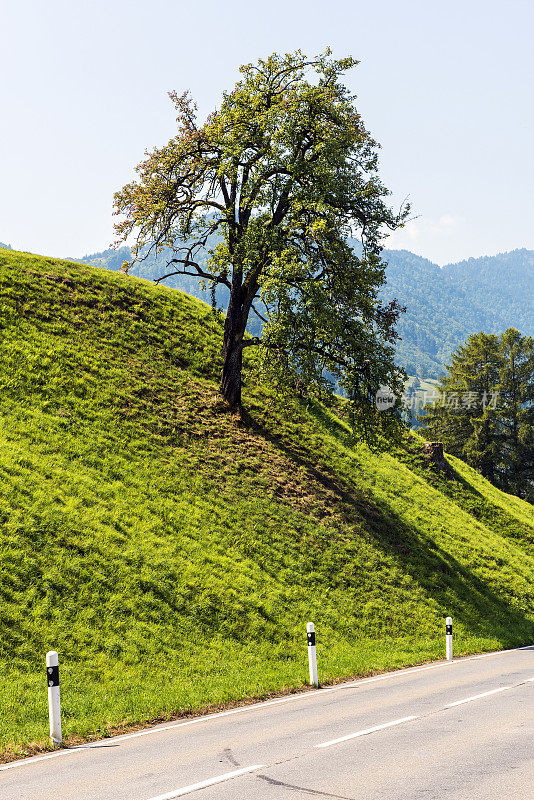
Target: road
pixel 445 731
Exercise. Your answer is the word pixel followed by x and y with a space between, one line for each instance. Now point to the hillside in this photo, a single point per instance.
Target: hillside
pixel 444 305
pixel 173 554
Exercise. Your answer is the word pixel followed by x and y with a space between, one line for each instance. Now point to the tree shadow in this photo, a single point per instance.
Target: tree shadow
pixel 457 589
pixel 479 505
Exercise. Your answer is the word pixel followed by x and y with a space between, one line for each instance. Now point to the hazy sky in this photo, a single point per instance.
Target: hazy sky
pixel 446 88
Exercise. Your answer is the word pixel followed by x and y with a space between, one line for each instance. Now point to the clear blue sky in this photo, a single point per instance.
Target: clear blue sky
pixel 445 87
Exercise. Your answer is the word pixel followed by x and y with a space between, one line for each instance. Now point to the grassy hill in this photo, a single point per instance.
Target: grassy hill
pixel 444 306
pixel 173 554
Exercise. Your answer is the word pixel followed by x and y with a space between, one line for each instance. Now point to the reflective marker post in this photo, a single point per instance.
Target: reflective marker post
pixel 448 638
pixel 312 654
pixel 54 702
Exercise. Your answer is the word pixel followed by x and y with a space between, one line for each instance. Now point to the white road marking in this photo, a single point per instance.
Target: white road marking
pixel 257 707
pixel 203 784
pixel 35 759
pixel 477 696
pixel 365 732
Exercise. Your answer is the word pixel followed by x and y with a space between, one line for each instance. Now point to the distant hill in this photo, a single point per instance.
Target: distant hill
pixel 504 284
pixel 107 259
pixel 444 305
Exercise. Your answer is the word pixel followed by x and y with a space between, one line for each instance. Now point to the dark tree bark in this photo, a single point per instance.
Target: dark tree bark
pixel 235 325
pixel 232 366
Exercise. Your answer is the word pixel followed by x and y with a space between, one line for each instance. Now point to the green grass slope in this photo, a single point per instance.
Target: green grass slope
pixel 173 553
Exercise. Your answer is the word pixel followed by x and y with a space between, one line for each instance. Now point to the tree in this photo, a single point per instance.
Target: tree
pixel 262 199
pixel 486 410
pixel 463 419
pixel 516 418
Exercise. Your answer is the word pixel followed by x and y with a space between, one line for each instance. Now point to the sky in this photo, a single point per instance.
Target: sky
pixel 446 88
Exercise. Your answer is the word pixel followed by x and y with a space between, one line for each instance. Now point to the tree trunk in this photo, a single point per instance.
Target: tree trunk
pixel 234 331
pixel 241 299
pixel 232 366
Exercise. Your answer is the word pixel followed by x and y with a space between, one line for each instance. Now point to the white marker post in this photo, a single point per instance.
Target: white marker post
pixel 312 654
pixel 54 702
pixel 448 638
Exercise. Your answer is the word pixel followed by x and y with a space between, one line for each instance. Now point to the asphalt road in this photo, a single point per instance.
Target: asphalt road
pixel 438 732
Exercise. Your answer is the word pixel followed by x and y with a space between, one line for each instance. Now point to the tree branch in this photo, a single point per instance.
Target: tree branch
pixel 200 273
pixel 255 310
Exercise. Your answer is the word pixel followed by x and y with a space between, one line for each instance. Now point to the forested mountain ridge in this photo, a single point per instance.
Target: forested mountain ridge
pixel 444 305
pixel 504 283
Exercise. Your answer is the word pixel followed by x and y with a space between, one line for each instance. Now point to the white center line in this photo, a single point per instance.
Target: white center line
pixel 193 787
pixel 365 732
pixel 477 696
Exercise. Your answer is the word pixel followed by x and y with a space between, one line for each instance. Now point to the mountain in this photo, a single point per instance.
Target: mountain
pixel 107 259
pixel 172 552
pixel 444 305
pixel 503 284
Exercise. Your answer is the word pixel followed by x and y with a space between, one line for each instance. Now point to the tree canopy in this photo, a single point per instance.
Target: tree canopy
pixel 262 199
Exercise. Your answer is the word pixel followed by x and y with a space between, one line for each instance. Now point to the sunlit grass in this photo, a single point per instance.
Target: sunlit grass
pixel 173 554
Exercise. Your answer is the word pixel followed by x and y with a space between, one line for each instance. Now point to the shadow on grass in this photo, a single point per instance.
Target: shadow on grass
pixel 459 592
pixel 472 500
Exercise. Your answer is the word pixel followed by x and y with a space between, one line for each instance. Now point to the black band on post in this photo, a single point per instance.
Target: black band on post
pixel 448 629
pixel 52 676
pixel 311 639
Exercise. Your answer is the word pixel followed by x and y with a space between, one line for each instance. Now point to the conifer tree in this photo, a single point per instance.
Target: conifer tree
pixel 485 414
pixel 516 413
pixel 464 418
